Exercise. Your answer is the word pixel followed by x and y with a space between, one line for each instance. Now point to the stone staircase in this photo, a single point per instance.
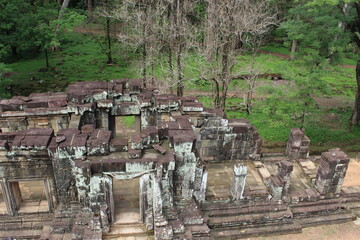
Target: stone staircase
pixel 351 196
pixel 234 220
pixel 27 226
pixel 129 230
pixel 327 211
pixel 186 220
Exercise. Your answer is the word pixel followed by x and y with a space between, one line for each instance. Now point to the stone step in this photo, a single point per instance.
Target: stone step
pixel 234 205
pixel 128 229
pixel 21 234
pixel 353 191
pixel 353 205
pixel 247 209
pixel 325 219
pixel 245 219
pixel 25 222
pixel 256 231
pixel 320 202
pixel 314 209
pixel 119 236
pixel 200 230
pixel 28 216
pixel 119 231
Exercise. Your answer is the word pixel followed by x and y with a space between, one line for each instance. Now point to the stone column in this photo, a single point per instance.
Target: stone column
pixel 200 184
pixel 298 144
pixel 284 172
pixel 238 185
pixel 331 173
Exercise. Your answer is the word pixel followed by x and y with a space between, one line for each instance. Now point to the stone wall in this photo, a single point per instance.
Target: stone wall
pixel 24 157
pixel 228 139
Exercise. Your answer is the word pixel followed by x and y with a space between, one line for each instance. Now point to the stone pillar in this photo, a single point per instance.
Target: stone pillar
pixel 200 184
pixel 279 184
pixel 331 173
pixel 238 185
pixel 284 172
pixel 298 144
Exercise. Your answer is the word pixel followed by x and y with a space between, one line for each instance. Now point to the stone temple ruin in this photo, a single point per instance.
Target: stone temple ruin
pixel 109 160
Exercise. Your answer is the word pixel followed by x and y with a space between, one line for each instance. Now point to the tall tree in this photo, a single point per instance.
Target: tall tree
pixel 176 32
pixel 140 29
pixel 229 29
pixel 16 25
pixel 90 9
pixel 355 29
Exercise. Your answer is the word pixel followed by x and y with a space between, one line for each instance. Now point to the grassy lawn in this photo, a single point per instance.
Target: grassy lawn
pixel 326 123
pixel 80 60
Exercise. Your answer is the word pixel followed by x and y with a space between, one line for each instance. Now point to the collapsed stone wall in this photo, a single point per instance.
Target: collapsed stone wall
pixel 228 139
pixel 298 144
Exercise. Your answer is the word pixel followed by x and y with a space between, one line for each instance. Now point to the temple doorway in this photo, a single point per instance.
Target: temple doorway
pixel 30 196
pixel 126 201
pixel 3 209
pixel 127 222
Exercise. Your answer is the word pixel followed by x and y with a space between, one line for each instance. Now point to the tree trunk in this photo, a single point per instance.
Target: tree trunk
pixel 180 84
pixel 14 50
pixel 217 95
pixel 248 102
pixel 144 73
pixel 171 68
pixel 109 55
pixel 294 44
pixel 144 55
pixel 225 73
pixel 90 10
pixel 355 119
pixel 47 58
pixel 64 5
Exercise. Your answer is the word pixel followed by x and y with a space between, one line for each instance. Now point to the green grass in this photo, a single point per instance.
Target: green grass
pixel 276 48
pixel 348 61
pixel 81 60
pixel 129 121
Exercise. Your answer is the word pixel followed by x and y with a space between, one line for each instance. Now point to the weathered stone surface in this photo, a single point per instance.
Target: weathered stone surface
pixel 238 185
pixel 331 173
pixel 298 144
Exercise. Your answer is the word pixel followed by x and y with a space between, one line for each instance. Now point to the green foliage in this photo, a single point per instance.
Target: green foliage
pixel 16 24
pixel 34 25
pixel 80 60
pixel 315 25
pixel 4 82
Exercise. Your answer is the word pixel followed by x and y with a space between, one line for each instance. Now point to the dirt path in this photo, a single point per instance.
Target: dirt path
pixel 348 66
